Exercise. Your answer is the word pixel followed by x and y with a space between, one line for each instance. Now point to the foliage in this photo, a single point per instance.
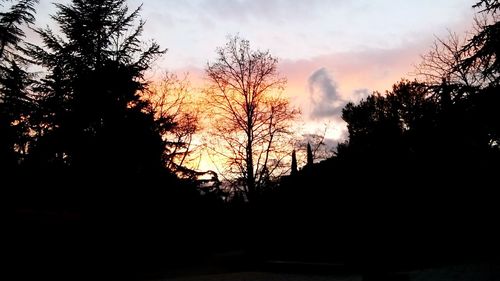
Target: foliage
pixel 16 103
pixel 11 22
pixel 484 46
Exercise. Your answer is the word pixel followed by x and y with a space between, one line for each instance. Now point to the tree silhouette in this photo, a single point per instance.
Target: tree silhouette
pixel 484 46
pixel 94 118
pixel 482 52
pixel 15 105
pixel 15 100
pixel 98 149
pixel 251 118
pixel 389 126
pixel 11 22
pixel 177 118
pixel 443 62
pixel 294 164
pixel 310 158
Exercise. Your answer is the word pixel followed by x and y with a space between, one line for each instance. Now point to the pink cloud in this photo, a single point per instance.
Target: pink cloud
pixel 372 69
pixel 354 74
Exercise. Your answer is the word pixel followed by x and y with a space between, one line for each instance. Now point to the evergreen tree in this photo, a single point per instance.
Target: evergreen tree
pixel 310 158
pixel 484 46
pixel 483 51
pixel 294 164
pixel 96 120
pixel 11 22
pixel 15 101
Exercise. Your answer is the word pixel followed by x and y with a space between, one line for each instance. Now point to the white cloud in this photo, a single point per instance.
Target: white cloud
pixel 324 96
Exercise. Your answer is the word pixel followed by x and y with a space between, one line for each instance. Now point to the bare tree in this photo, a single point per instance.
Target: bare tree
pixel 176 117
pixel 443 61
pixel 251 119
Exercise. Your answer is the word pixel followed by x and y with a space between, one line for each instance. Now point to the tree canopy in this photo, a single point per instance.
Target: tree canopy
pixel 91 115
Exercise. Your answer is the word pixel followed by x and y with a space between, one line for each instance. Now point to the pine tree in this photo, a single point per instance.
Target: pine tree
pixel 15 102
pixel 484 46
pixel 11 22
pixel 97 121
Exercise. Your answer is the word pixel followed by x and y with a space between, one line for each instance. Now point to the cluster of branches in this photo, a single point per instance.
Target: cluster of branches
pixel 173 107
pixel 252 120
pixel 470 59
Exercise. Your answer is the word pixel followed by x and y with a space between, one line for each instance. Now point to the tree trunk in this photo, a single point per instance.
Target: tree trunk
pixel 250 173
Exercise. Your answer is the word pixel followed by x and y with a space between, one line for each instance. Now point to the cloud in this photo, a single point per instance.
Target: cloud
pixel 346 76
pixel 322 79
pixel 324 96
pixel 264 10
pixel 359 94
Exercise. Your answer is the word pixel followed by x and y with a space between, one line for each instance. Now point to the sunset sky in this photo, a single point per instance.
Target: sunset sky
pixel 331 51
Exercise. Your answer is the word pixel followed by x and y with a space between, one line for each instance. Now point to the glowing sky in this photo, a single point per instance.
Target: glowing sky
pixel 331 51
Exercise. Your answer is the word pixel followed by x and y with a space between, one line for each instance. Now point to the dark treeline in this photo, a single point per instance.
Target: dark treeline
pixel 82 154
pixel 83 162
pixel 415 183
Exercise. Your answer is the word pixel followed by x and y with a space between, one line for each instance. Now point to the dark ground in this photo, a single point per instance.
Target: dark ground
pixel 484 271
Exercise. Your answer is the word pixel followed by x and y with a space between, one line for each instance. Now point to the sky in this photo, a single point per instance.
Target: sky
pixel 331 51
